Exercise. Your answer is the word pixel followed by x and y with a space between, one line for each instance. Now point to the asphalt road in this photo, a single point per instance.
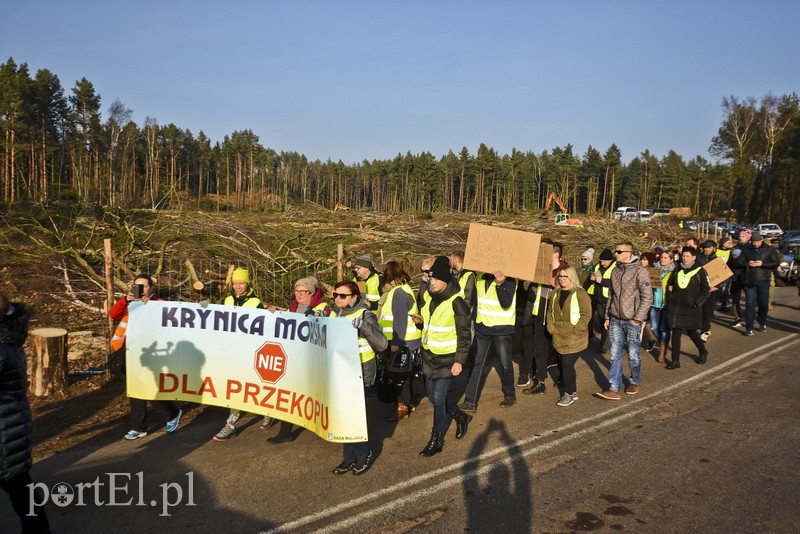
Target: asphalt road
pixel 707 448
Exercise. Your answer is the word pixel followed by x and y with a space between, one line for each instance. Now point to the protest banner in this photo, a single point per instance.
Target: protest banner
pixel 513 252
pixel 655 276
pixel 304 370
pixel 544 265
pixel 718 271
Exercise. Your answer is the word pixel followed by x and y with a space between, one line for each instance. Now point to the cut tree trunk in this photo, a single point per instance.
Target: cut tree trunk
pixel 49 361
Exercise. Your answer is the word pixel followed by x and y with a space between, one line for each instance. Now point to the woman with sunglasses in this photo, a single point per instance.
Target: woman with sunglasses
pixel 568 319
pixel 347 302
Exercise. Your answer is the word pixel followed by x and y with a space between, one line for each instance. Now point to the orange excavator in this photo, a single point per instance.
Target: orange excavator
pixel 562 219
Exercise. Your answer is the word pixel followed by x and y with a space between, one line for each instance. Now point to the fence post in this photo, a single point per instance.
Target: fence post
pixel 340 262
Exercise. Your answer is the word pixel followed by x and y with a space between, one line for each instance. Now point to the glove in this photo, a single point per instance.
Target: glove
pixel 357 322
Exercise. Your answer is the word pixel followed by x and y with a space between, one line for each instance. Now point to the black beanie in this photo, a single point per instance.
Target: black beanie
pixel 441 269
pixel 606 254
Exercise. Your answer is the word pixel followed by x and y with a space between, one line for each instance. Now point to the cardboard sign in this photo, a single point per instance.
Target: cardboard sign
pixel 655 277
pixel 513 252
pixel 544 265
pixel 718 271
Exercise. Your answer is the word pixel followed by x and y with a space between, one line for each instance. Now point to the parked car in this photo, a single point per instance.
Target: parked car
pixel 725 226
pixel 770 230
pixel 788 271
pixel 690 225
pixel 787 236
pixel 644 216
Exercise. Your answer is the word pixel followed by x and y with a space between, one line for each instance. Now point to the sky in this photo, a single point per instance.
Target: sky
pixel 363 80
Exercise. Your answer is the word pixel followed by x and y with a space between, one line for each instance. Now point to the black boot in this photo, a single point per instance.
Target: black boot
pixel 462 420
pixel 434 445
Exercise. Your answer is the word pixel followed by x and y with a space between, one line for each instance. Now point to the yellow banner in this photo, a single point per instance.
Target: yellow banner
pixel 304 370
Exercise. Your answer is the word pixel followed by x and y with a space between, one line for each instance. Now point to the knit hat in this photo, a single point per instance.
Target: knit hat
pixel 708 243
pixel 606 254
pixel 757 237
pixel 309 283
pixel 745 232
pixel 441 269
pixel 365 261
pixel 588 254
pixel 240 275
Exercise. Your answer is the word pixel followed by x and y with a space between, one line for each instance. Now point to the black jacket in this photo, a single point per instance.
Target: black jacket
pixel 15 412
pixel 685 306
pixel 766 254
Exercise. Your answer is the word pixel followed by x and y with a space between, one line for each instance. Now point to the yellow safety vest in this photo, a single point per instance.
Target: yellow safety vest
pixel 365 352
pixel 386 319
pixel 724 254
pixel 684 277
pixel 535 310
pixel 606 275
pixel 439 334
pixel 574 307
pixel 372 290
pixel 490 312
pixel 251 302
pixel 462 283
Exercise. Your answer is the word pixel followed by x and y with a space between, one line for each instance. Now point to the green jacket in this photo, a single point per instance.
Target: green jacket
pixel 569 338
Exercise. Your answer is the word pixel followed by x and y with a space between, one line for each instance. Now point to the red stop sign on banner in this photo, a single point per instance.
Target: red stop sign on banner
pixel 271 362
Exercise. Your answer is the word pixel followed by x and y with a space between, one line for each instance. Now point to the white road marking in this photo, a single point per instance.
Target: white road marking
pixel 715 373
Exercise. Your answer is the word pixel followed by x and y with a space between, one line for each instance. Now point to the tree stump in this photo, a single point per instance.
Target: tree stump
pixel 49 361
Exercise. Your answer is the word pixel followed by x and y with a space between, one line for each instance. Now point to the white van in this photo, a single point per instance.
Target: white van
pixel 623 211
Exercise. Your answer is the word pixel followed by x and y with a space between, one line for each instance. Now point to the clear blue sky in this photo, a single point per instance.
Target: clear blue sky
pixel 356 80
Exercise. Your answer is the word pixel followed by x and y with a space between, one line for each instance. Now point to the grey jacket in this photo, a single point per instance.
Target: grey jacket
pixel 631 294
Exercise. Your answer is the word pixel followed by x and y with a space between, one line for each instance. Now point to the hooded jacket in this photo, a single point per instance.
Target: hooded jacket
pixel 631 293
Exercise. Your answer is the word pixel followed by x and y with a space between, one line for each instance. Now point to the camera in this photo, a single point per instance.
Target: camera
pixel 137 290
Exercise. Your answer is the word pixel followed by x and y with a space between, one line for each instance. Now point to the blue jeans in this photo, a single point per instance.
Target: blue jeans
pixel 658 323
pixel 756 294
pixel 502 346
pixel 437 389
pixel 622 333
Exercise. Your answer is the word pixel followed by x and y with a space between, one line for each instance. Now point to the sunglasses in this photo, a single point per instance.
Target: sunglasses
pixel 622 251
pixel 341 295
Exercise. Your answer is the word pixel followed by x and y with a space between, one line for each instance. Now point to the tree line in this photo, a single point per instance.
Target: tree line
pixel 58 145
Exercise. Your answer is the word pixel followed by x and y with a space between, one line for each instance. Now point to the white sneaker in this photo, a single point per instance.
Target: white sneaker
pixel 705 335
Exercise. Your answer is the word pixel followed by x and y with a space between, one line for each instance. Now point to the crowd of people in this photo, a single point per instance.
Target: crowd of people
pixel 627 302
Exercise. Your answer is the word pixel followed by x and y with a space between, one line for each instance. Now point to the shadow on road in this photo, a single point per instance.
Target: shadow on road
pixel 501 500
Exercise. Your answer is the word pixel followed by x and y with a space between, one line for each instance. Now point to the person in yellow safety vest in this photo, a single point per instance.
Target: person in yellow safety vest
pixel 347 302
pixel 445 319
pixel 365 272
pixel 658 311
pixel 724 252
pixel 465 279
pixel 599 291
pixel 537 345
pixel 709 253
pixel 569 313
pixel 395 308
pixel 141 290
pixel 308 300
pixel 687 288
pixel 243 296
pixel 494 330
